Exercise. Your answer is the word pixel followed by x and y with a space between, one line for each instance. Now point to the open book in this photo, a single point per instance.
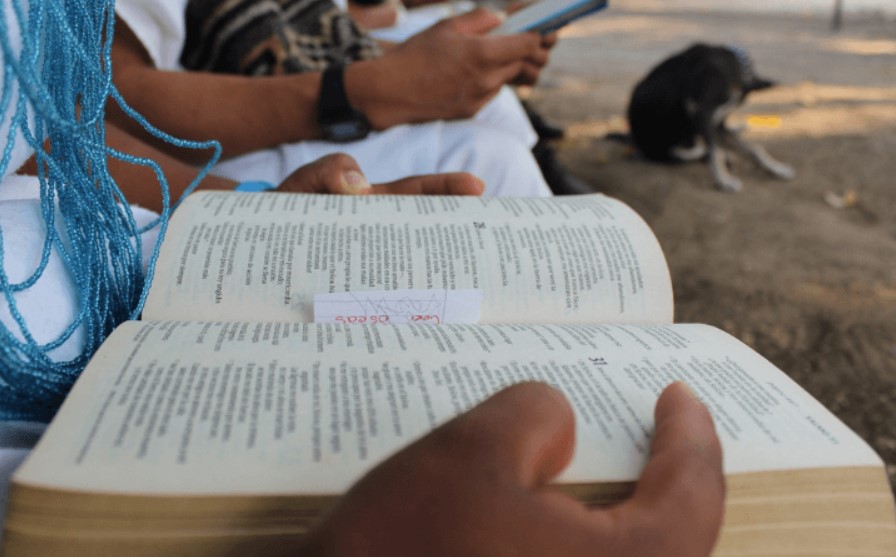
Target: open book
pixel 237 257
pixel 226 420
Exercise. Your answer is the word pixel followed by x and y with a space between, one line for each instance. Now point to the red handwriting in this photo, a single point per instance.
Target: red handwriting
pixel 425 318
pixel 361 319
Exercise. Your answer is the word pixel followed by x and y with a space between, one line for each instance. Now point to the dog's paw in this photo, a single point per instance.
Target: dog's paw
pixel 736 129
pixel 693 153
pixel 729 183
pixel 782 171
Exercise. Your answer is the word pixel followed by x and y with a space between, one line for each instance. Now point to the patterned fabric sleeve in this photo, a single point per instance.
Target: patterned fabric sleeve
pixel 266 37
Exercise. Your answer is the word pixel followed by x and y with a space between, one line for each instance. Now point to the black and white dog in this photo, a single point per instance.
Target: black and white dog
pixel 678 112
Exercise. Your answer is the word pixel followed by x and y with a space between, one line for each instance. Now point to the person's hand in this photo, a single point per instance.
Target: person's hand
pixel 533 65
pixel 532 69
pixel 340 174
pixel 447 71
pixel 478 486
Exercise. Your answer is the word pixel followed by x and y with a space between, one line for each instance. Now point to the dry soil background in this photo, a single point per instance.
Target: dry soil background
pixel 784 266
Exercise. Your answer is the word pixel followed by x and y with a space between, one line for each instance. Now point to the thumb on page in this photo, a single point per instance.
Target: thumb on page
pixel 682 487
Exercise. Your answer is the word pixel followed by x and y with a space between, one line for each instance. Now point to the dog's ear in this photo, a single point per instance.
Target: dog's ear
pixel 759 83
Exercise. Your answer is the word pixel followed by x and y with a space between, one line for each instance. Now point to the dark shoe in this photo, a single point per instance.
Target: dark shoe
pixel 560 180
pixel 543 128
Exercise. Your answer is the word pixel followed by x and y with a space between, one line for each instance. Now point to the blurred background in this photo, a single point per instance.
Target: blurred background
pixel 804 271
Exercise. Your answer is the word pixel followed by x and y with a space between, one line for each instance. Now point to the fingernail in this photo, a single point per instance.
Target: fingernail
pixel 500 14
pixel 481 185
pixel 353 183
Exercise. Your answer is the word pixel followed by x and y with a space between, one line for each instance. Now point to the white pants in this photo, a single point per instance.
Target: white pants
pixel 495 146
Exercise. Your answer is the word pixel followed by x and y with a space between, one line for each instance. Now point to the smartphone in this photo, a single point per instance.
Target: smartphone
pixel 545 16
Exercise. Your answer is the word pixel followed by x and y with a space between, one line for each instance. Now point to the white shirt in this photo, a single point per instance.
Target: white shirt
pixel 160 25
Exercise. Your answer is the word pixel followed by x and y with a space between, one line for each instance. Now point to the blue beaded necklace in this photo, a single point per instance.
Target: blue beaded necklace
pixel 63 72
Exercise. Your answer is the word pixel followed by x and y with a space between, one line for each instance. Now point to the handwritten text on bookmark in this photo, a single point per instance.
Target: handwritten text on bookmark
pixel 395 307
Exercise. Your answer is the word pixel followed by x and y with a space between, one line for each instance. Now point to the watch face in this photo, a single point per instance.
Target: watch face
pixel 347 130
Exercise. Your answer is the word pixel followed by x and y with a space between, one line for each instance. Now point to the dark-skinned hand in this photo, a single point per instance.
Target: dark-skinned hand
pixel 480 486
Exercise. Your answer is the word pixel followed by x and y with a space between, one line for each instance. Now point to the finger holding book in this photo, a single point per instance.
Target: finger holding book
pixel 340 174
pixel 478 486
pixel 678 502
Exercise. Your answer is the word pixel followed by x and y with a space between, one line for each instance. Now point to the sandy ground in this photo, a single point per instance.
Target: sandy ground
pixel 784 266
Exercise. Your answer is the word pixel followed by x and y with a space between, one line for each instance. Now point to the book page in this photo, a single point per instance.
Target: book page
pixel 230 408
pixel 242 256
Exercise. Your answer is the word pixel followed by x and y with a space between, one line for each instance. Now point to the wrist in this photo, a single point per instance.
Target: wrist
pixel 364 86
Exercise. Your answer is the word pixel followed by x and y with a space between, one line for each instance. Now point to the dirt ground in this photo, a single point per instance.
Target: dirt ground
pixel 804 271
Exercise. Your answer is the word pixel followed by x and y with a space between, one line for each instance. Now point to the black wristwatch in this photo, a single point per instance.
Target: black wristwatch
pixel 338 120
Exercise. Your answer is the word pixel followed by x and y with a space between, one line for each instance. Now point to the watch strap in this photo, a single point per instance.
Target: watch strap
pixel 333 98
pixel 337 118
